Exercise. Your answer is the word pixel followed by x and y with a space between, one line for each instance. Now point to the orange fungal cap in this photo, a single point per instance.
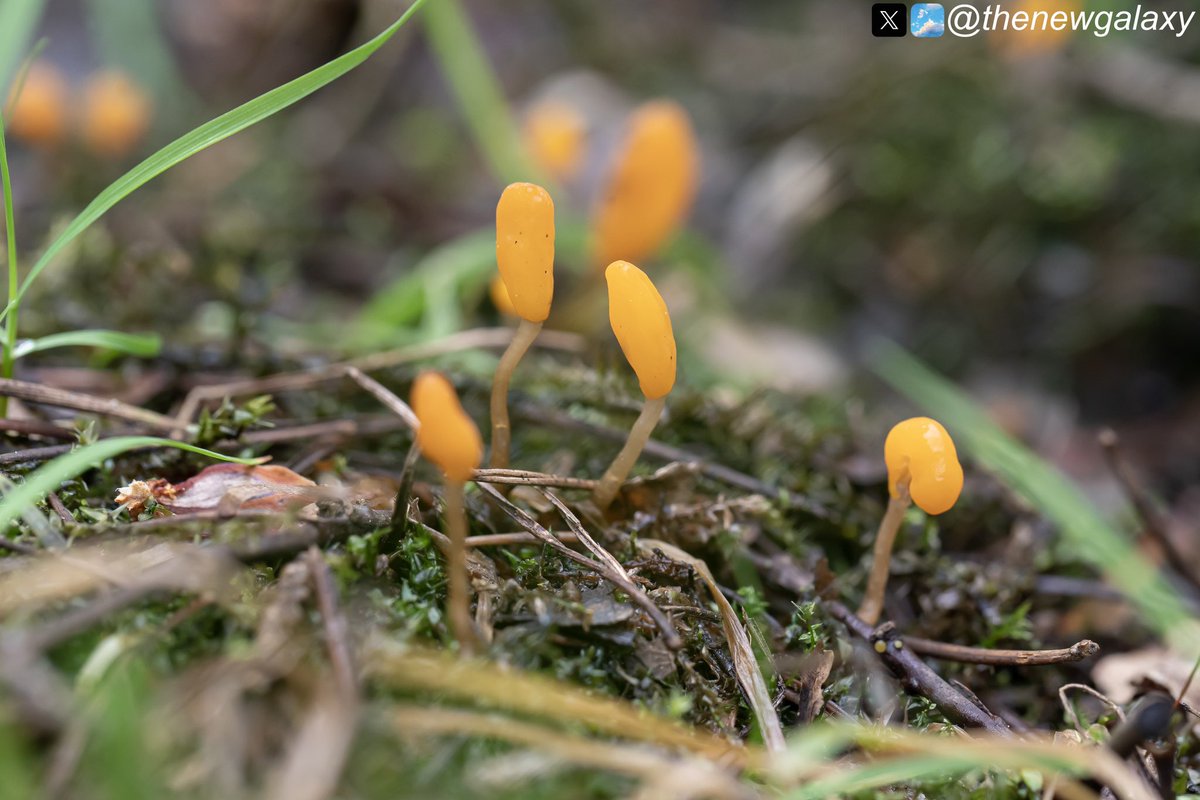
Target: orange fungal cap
pixel 116 114
pixel 525 248
pixel 642 325
pixel 38 114
pixel 920 450
pixel 555 135
pixel 447 436
pixel 651 187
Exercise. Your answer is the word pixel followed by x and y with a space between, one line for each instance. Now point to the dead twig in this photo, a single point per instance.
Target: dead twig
pixel 982 655
pixel 521 477
pixel 916 675
pixel 385 396
pixel 505 539
pixel 108 407
pixel 638 595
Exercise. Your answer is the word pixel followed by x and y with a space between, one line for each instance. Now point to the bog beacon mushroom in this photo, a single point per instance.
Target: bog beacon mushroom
pixel 525 256
pixel 450 439
pixel 116 114
pixel 642 325
pixel 651 187
pixel 923 468
pixel 38 110
pixel 556 135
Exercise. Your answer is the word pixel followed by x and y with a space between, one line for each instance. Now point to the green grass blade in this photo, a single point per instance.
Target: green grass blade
pixel 18 20
pixel 10 235
pixel 1044 487
pixel 52 474
pixel 478 93
pixel 205 136
pixel 143 345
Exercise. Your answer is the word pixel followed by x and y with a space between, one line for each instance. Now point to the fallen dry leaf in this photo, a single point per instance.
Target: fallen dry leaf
pixel 1119 675
pixel 230 487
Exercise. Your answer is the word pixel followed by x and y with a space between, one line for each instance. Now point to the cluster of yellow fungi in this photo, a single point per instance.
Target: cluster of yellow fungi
pixel 113 113
pixel 648 193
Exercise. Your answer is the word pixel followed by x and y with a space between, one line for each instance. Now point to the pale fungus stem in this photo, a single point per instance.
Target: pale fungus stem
pixel 639 434
pixel 872 604
pixel 501 430
pixel 458 586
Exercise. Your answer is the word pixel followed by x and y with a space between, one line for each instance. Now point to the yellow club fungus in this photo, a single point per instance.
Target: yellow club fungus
pixel 923 468
pixel 116 114
pixel 642 326
pixel 555 136
pixel 525 255
pixel 450 439
pixel 651 187
pixel 38 113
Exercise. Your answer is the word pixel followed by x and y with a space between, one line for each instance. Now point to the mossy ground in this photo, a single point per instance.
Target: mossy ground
pixel 968 577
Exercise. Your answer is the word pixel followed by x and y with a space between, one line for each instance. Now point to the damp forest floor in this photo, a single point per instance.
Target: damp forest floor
pixel 235 632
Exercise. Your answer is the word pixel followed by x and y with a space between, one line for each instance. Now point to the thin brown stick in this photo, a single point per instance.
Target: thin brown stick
pixel 56 503
pixel 336 634
pixel 521 477
pixel 962 654
pixel 61 398
pixel 673 640
pixel 670 635
pixel 916 675
pixel 505 539
pixel 385 396
pixel 35 454
pixel 35 427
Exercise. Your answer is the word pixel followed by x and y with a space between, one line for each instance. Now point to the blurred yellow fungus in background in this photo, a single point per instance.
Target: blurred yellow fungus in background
pixel 651 187
pixel 116 114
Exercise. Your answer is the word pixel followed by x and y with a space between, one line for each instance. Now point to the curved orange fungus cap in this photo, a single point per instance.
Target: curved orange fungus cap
pixel 39 113
pixel 116 114
pixel 447 436
pixel 525 248
pixel 651 187
pixel 642 325
pixel 555 135
pixel 920 451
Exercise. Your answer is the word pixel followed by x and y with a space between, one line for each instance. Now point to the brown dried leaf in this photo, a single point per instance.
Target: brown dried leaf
pixel 1120 675
pixel 230 487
